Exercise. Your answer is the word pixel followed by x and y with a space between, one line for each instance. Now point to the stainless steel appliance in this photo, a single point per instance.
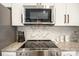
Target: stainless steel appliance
pixel 37 14
pixel 39 48
pixel 20 36
pixel 48 52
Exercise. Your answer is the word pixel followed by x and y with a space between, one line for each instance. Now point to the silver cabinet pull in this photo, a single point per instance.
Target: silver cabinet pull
pixel 65 18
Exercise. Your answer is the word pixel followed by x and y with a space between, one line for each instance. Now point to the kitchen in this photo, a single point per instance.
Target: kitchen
pixel 48 29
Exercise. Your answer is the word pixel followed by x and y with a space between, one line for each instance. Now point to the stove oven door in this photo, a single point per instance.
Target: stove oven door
pixel 44 53
pixel 37 53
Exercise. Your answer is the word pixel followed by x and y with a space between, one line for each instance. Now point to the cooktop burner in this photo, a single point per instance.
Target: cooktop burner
pixel 39 44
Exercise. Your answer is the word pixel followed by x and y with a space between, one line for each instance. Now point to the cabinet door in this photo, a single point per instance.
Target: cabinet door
pixel 8 53
pixel 68 53
pixel 73 14
pixel 60 14
pixel 7 4
pixel 77 53
pixel 16 15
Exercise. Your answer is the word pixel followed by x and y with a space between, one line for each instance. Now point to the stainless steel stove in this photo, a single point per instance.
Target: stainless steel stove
pixel 39 48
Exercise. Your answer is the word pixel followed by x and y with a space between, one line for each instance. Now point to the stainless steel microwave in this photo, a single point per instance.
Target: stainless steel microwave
pixel 38 15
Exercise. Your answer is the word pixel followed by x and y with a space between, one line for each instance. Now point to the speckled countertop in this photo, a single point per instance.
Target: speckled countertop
pixel 13 47
pixel 71 46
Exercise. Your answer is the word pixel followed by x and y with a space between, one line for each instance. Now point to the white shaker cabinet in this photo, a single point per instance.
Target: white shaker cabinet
pixel 67 14
pixel 68 53
pixel 7 4
pixel 17 14
pixel 73 14
pixel 60 13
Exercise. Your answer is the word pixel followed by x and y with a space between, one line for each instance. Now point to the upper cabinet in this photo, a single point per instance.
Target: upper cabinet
pixel 59 14
pixel 73 14
pixel 67 14
pixel 17 19
pixel 64 14
pixel 7 4
pixel 16 13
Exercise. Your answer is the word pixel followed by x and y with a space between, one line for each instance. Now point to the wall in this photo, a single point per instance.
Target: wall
pixel 7 32
pixel 48 32
pixel 7 36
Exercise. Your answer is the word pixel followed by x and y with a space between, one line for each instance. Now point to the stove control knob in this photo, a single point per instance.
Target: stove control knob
pixel 20 54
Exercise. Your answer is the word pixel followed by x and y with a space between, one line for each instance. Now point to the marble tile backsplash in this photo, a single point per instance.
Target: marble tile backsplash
pixel 48 32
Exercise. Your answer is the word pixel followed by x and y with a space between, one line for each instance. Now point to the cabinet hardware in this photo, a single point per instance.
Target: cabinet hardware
pixel 65 18
pixel 68 18
pixel 21 18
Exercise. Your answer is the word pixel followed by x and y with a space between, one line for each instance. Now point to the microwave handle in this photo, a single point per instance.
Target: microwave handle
pixel 21 18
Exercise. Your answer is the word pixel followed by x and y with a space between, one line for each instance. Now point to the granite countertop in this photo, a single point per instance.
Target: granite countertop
pixel 13 47
pixel 72 46
pixel 67 46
